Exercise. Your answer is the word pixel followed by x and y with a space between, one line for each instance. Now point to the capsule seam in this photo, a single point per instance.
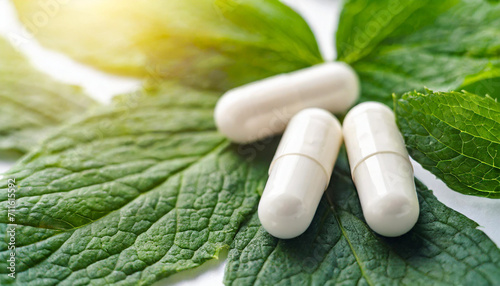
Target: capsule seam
pixel 353 170
pixel 300 154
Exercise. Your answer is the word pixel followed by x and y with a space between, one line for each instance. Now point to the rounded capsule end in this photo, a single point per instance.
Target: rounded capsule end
pixel 284 216
pixel 392 216
pixel 291 196
pixel 363 109
pixel 227 118
pixel 320 114
pixel 334 86
pixel 351 82
pixel 387 193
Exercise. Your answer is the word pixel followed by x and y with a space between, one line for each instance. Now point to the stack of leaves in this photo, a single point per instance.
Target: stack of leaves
pixel 146 187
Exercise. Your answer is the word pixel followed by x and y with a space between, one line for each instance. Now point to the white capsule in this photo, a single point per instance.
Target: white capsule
pixel 263 108
pixel 381 169
pixel 300 172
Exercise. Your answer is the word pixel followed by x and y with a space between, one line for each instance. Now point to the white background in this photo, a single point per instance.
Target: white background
pixel 322 15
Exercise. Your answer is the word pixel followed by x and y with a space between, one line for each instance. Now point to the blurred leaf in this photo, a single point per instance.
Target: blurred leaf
pixel 485 85
pixel 456 136
pixel 31 103
pixel 216 44
pixel 397 46
pixel 444 247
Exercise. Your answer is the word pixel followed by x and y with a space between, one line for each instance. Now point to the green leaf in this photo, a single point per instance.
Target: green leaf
pixel 32 104
pixel 485 85
pixel 397 46
pixel 131 194
pixel 215 44
pixel 456 136
pixel 444 248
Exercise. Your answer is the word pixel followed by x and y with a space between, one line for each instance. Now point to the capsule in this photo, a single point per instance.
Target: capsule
pixel 263 108
pixel 381 169
pixel 300 172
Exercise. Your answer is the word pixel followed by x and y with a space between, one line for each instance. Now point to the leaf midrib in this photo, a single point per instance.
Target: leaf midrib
pixel 358 260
